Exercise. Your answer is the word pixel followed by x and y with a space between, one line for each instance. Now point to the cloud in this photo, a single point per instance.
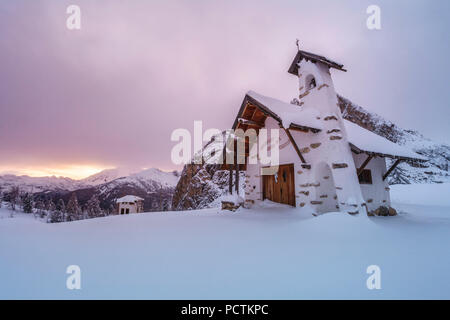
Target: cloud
pixel 112 93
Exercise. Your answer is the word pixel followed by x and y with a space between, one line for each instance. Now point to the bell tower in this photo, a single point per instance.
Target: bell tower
pixel 316 90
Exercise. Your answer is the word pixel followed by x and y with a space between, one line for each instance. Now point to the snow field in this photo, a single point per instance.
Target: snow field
pixel 272 252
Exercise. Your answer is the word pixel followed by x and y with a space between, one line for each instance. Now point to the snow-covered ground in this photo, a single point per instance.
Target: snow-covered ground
pixel 266 253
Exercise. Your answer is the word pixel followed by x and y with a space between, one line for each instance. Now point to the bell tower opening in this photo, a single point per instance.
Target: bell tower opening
pixel 310 82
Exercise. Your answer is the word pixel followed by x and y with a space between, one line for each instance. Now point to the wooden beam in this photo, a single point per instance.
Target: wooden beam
pixel 253 114
pixel 391 168
pixel 236 180
pixel 365 163
pixel 294 144
pixel 250 123
pixel 263 108
pixel 294 126
pixel 230 181
pixel 298 129
pixel 259 116
pixel 249 110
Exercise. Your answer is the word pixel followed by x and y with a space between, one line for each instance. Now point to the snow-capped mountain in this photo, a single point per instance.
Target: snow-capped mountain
pixel 201 186
pixel 143 184
pixel 39 184
pixel 108 175
pixel 159 178
pixel 53 183
pixel 154 185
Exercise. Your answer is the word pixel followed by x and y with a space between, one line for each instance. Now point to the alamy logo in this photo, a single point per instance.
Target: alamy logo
pixel 73 22
pixel 374 280
pixel 374 19
pixel 74 280
pixel 230 147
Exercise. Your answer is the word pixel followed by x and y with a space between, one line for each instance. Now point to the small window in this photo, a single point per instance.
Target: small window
pixel 365 177
pixel 312 84
pixel 122 211
pixel 128 211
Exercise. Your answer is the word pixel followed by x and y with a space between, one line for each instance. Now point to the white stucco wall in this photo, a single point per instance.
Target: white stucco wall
pixel 335 148
pixel 377 193
pixel 127 205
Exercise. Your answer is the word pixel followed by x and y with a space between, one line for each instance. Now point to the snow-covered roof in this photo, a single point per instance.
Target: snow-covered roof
pixel 129 198
pixel 289 114
pixel 293 69
pixel 360 139
pixel 367 141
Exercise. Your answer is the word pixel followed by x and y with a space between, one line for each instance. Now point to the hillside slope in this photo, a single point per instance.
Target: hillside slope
pixel 434 171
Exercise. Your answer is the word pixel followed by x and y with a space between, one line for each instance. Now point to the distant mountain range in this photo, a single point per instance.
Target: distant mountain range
pixel 154 185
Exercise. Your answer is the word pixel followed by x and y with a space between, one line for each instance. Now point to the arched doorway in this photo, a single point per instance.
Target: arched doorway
pixel 326 198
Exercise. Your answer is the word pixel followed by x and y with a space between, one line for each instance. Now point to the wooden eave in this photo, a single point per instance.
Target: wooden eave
pixel 254 111
pixel 253 114
pixel 308 56
pixel 250 103
pixel 297 127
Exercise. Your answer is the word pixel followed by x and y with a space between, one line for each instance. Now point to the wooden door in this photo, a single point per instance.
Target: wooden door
pixel 280 187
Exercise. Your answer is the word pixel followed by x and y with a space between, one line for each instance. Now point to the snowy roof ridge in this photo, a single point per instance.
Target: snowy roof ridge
pixel 368 141
pixel 287 113
pixel 361 140
pixel 129 198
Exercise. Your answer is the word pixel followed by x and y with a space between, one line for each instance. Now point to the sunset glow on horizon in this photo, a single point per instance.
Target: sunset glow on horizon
pixel 69 171
pixel 116 89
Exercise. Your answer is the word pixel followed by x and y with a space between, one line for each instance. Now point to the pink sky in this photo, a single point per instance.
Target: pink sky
pixel 111 93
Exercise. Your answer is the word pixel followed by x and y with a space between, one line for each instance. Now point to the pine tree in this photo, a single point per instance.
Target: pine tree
pixel 28 203
pixel 13 198
pixel 56 212
pixel 40 209
pixel 112 209
pixel 73 209
pixel 55 216
pixel 93 207
pixel 50 206
pixel 61 207
pixel 166 205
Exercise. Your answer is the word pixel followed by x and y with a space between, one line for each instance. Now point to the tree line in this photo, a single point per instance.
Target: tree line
pixel 54 212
